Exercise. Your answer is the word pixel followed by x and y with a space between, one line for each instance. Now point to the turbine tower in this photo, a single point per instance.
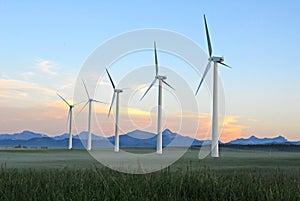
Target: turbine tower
pixel 161 79
pixel 89 102
pixel 216 60
pixel 70 118
pixel 116 95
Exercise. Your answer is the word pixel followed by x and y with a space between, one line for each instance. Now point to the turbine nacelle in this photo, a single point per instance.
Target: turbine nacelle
pixel 216 59
pixel 118 90
pixel 160 77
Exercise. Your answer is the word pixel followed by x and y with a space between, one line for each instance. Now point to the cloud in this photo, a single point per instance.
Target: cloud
pixel 232 128
pixel 50 117
pixel 28 75
pixel 36 85
pixel 18 85
pixel 134 111
pixel 66 86
pixel 46 66
pixel 40 118
pixel 252 120
pixel 13 90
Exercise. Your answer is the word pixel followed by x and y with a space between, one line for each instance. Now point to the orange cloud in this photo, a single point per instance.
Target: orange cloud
pixel 51 117
pixel 232 129
pixel 252 120
pixel 22 93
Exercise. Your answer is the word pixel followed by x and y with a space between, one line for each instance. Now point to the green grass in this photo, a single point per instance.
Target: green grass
pixel 239 174
pixel 104 184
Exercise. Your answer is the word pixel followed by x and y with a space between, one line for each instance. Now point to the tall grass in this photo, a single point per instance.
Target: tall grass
pixel 105 184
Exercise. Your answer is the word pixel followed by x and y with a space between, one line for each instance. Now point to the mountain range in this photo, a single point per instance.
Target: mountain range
pixel 136 138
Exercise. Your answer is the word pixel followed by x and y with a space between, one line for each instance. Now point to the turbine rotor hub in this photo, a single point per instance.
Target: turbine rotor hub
pixel 216 59
pixel 118 90
pixel 161 77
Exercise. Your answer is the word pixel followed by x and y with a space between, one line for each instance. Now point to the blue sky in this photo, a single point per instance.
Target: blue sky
pixel 260 39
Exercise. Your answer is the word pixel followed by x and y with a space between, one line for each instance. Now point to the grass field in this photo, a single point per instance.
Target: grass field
pixel 254 173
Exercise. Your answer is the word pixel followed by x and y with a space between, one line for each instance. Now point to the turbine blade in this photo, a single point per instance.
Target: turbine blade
pixel 168 84
pixel 111 104
pixel 99 101
pixel 112 83
pixel 63 99
pixel 87 93
pixel 153 82
pixel 225 64
pixel 205 72
pixel 84 106
pixel 156 60
pixel 79 103
pixel 208 38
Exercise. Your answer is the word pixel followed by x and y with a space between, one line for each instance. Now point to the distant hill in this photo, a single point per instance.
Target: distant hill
pixel 139 138
pixel 136 138
pixel 259 141
pixel 25 135
pixel 61 137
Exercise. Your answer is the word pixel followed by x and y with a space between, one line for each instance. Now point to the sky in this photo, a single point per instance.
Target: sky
pixel 45 44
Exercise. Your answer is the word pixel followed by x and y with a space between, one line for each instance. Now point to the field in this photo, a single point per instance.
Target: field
pixel 248 173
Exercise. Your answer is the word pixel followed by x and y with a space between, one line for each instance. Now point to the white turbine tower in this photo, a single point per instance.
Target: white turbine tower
pixel 216 60
pixel 116 95
pixel 161 79
pixel 70 118
pixel 90 101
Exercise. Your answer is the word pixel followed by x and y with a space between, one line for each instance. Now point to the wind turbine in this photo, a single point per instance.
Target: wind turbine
pixel 90 101
pixel 161 79
pixel 116 93
pixel 216 60
pixel 70 118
